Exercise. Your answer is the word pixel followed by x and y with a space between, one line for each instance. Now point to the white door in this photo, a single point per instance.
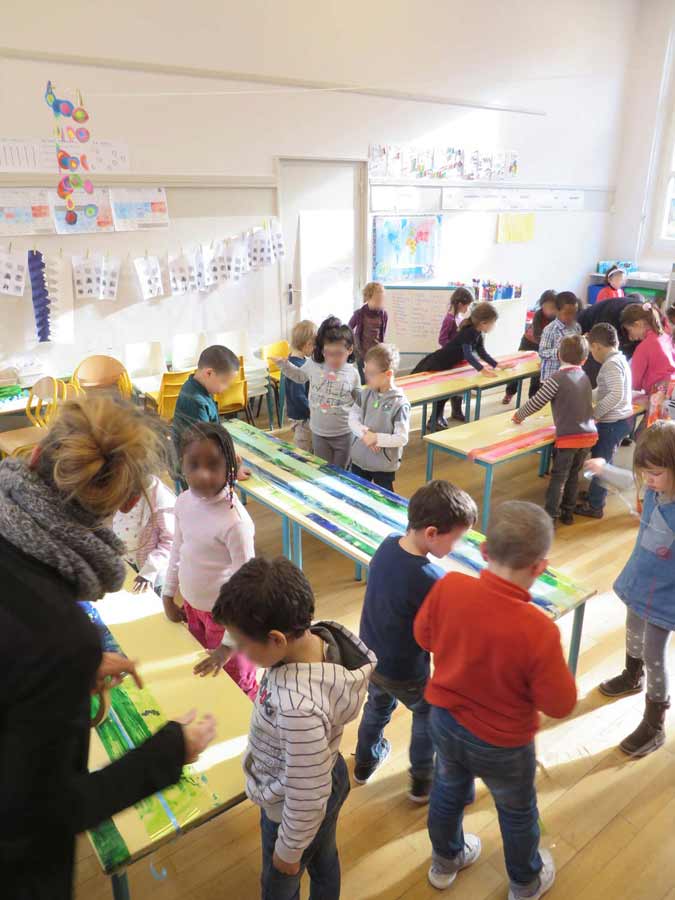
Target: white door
pixel 322 219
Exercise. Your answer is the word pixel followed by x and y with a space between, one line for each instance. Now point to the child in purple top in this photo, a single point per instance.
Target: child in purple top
pixel 369 323
pixel 459 305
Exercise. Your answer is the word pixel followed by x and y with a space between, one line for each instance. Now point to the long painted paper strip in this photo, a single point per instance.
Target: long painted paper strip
pixel 500 449
pixel 425 378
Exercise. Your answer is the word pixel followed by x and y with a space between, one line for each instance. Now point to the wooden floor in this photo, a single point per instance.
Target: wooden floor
pixel 608 820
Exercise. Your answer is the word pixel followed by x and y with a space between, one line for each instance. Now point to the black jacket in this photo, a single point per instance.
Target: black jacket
pixel 49 654
pixel 467 345
pixel 609 311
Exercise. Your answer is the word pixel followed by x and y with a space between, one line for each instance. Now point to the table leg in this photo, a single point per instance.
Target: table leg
pixel 575 642
pixel 430 462
pixel 479 396
pixel 358 571
pixel 270 404
pixel 243 495
pixel 467 405
pixel 286 538
pixel 424 419
pixel 487 491
pixel 120 886
pixel 282 399
pixel 297 545
pixel 519 393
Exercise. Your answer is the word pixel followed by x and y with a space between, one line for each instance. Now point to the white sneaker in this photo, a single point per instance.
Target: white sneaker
pixel 546 879
pixel 442 880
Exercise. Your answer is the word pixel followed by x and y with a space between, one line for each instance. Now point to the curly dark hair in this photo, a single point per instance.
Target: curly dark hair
pixel 209 431
pixel 332 331
pixel 266 595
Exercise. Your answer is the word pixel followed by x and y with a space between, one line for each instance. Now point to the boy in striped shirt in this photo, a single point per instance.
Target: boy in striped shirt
pixel 315 681
pixel 613 409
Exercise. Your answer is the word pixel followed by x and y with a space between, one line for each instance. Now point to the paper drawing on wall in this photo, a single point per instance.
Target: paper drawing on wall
pixel 13 269
pixel 406 247
pixel 149 274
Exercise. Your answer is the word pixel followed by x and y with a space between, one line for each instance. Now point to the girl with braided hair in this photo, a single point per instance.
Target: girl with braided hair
pixel 213 539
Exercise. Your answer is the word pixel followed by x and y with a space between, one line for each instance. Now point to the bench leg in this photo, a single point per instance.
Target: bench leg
pixel 519 393
pixel 487 491
pixel 430 462
pixel 120 886
pixel 297 545
pixel 286 538
pixel 575 642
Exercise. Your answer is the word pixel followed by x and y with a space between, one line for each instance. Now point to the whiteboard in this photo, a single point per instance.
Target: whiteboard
pixel 416 315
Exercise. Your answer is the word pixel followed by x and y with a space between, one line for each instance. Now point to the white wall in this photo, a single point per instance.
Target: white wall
pixel 563 57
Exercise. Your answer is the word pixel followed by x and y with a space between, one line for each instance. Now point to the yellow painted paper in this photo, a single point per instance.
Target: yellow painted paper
pixel 515 228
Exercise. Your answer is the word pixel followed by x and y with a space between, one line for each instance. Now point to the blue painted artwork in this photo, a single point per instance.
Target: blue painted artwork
pixel 406 248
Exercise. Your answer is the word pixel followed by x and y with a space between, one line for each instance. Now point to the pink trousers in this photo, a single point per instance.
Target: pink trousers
pixel 210 634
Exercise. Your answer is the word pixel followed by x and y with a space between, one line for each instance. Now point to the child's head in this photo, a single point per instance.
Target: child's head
pixel 216 368
pixel 670 315
pixel 381 363
pixel 567 303
pixel 373 295
pixel 615 277
pixel 573 350
pixel 303 337
pixel 603 340
pixel 654 460
pixel 338 346
pixel 639 319
pixel 208 459
pixel 439 514
pixel 101 454
pixel 266 605
pixel 518 540
pixel 461 300
pixel 327 324
pixel 548 304
pixel 483 317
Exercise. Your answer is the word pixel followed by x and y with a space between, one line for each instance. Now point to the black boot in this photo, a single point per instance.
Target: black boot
pixel 457 414
pixel 630 681
pixel 650 733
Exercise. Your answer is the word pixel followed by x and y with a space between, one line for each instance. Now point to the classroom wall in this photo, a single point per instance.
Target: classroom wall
pixel 540 56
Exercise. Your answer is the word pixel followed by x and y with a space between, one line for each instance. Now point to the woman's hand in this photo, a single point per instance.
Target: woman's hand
pixel 112 670
pixel 174 613
pixel 284 867
pixel 196 735
pixel 140 585
pixel 595 466
pixel 214 661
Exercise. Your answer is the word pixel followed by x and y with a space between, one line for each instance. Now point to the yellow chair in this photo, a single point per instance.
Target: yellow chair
pixel 269 353
pixel 42 401
pixel 102 373
pixel 167 395
pixel 235 398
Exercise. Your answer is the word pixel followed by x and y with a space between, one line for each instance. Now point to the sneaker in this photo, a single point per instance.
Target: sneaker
pixel 585 509
pixel 566 518
pixel 420 790
pixel 363 772
pixel 442 880
pixel 546 879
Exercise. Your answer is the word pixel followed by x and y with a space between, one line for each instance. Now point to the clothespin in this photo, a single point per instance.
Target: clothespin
pixel 61 252
pixel 9 249
pixel 86 255
pixel 146 252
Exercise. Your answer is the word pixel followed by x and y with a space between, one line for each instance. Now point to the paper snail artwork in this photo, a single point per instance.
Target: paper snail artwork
pixel 73 168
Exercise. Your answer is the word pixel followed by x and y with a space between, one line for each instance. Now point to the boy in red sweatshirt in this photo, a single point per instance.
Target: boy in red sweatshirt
pixel 497 662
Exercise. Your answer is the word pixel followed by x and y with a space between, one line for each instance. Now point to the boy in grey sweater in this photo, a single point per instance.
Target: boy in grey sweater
pixel 315 681
pixel 380 423
pixel 569 392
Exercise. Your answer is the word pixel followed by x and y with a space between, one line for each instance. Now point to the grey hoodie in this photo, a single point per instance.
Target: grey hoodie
pixel 387 414
pixel 296 727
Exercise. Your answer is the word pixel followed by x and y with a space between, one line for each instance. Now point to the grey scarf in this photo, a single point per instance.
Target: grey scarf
pixel 37 519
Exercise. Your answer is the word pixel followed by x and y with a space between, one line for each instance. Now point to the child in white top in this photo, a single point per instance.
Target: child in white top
pixel 214 538
pixel 334 387
pixel 146 525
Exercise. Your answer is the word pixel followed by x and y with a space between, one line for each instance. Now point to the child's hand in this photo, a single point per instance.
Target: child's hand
pixel 277 360
pixel 112 670
pixel 174 613
pixel 504 366
pixel 595 466
pixel 213 662
pixel 242 472
pixel 285 868
pixel 196 735
pixel 489 371
pixel 370 440
pixel 140 585
pixel 516 421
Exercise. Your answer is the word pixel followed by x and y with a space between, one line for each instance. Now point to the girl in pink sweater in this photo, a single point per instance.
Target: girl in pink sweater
pixel 652 364
pixel 213 539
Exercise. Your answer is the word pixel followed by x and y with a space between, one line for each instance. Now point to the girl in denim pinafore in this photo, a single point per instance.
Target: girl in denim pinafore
pixel 647 587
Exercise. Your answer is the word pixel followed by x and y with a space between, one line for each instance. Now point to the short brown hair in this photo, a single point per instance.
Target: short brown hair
pixel 222 360
pixel 605 334
pixel 371 288
pixel 656 447
pixel 386 356
pixel 303 332
pixel 439 504
pixel 573 349
pixel 518 534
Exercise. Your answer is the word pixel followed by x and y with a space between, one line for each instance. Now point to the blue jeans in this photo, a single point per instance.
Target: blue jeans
pixel 383 698
pixel 610 435
pixel 321 856
pixel 508 773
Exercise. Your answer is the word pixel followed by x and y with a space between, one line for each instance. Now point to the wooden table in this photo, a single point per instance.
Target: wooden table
pixel 354 516
pixel 428 387
pixel 135 624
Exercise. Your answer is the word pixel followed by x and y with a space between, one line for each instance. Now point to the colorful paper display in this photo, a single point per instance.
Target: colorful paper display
pixel 358 513
pixel 444 162
pixel 139 209
pixel 406 247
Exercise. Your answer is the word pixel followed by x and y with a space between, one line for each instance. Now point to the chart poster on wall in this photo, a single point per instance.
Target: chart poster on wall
pixel 94 215
pixel 449 162
pixel 25 211
pixel 139 209
pixel 406 248
pixel 39 155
